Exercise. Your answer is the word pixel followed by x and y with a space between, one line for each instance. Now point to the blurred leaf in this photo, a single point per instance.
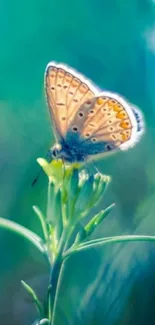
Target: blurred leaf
pixel 23 232
pixel 34 297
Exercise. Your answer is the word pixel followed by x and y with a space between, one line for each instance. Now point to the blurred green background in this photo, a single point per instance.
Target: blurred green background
pixel 112 42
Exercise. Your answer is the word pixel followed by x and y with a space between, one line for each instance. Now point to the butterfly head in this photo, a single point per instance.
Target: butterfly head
pixel 56 151
pixel 60 151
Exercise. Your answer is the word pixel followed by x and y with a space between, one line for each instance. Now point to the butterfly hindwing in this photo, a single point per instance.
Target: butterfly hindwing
pixel 66 90
pixel 105 123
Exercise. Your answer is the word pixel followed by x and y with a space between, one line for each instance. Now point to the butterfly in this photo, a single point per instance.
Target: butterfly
pixel 88 124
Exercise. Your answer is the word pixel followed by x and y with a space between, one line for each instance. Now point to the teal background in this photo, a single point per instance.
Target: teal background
pixel 112 43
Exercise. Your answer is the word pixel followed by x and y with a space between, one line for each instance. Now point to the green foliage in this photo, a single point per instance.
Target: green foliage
pixel 72 193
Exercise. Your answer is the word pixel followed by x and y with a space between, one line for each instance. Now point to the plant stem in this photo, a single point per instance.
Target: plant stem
pixel 53 281
pixel 55 272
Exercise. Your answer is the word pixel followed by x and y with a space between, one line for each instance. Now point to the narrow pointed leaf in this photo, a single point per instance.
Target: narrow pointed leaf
pixel 58 215
pixel 96 220
pixel 23 232
pixel 42 221
pixel 34 297
pixel 73 188
pixel 81 235
pixel 114 240
pixel 73 193
pixel 107 240
pixel 102 185
pixel 84 196
pixel 50 216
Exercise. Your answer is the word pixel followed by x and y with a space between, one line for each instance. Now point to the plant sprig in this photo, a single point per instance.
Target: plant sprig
pixel 72 193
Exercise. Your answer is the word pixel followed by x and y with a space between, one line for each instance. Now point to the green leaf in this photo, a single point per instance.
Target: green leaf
pixel 81 235
pixel 34 297
pixel 84 196
pixel 65 189
pixel 58 215
pixel 96 220
pixel 94 241
pixel 108 240
pixel 25 233
pixel 54 215
pixel 52 190
pixel 73 188
pixel 114 240
pixel 101 182
pixel 42 221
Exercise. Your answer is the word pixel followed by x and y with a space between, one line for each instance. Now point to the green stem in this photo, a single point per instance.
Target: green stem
pixel 23 232
pixel 55 272
pixel 53 281
pixel 49 195
pixel 57 292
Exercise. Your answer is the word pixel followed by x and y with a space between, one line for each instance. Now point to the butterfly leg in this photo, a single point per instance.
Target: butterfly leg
pixel 95 167
pixel 36 178
pixel 87 168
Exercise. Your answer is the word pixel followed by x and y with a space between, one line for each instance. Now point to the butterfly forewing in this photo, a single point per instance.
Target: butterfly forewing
pixel 66 90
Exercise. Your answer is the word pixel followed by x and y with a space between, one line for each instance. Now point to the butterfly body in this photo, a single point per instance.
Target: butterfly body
pixel 64 152
pixel 75 152
pixel 88 123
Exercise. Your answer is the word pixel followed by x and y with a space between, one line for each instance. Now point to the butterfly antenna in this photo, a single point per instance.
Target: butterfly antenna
pixel 95 167
pixel 40 171
pixel 86 167
pixel 36 178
